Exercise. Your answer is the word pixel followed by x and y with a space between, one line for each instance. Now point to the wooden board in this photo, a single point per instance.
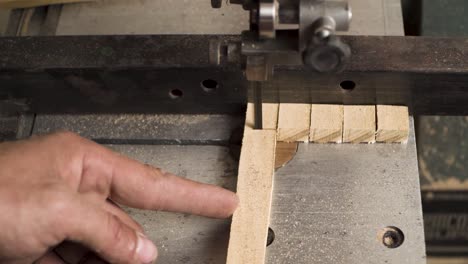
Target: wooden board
pixel 269 113
pixel 249 228
pixel 326 125
pixel 33 3
pixel 294 122
pixel 392 124
pixel 359 124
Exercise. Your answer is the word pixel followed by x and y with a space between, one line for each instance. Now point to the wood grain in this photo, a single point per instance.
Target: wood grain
pixel 392 124
pixel 285 152
pixel 294 122
pixel 326 125
pixel 249 228
pixel 359 124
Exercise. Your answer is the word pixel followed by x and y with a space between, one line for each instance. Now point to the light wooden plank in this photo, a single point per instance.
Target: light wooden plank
pixel 392 124
pixel 294 122
pixel 32 3
pixel 359 124
pixel 249 228
pixel 269 113
pixel 326 125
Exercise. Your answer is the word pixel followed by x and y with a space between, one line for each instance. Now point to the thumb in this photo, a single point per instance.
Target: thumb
pixel 109 236
pixel 50 258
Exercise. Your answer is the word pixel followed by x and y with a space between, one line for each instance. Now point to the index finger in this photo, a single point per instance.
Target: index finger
pixel 141 186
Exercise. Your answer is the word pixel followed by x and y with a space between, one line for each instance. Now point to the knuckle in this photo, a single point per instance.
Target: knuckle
pixel 123 238
pixel 64 142
pixel 139 227
pixel 66 151
pixel 66 136
pixel 60 143
pixel 115 228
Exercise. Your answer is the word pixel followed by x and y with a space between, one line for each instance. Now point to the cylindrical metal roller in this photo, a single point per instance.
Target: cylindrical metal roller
pixel 267 18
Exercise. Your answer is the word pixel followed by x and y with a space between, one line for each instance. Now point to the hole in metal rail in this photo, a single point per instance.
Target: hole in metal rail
pixel 348 85
pixel 209 85
pixel 176 94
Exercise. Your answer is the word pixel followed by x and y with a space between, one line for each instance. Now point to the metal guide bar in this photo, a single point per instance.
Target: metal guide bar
pixel 108 74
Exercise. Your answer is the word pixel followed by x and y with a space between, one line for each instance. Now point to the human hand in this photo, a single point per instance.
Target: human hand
pixel 56 188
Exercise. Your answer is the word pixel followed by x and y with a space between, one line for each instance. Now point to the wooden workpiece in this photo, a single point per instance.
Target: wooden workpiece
pixel 33 3
pixel 294 122
pixel 285 152
pixel 359 124
pixel 392 124
pixel 326 125
pixel 249 227
pixel 269 113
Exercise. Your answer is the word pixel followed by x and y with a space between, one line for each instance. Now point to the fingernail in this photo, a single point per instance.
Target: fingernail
pixel 146 250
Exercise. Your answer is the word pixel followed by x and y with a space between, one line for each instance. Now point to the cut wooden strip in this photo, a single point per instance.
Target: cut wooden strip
pixel 326 125
pixel 392 124
pixel 249 228
pixel 294 122
pixel 285 152
pixel 33 3
pixel 359 124
pixel 269 113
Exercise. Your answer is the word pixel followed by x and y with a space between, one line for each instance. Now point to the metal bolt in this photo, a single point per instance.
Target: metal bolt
pixel 326 55
pixel 392 237
pixel 388 240
pixel 323 33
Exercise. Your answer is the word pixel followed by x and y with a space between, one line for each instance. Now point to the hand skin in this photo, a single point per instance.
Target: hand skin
pixel 55 188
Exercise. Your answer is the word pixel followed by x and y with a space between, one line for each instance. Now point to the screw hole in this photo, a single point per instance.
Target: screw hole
pixel 348 85
pixel 209 85
pixel 271 237
pixel 391 237
pixel 176 94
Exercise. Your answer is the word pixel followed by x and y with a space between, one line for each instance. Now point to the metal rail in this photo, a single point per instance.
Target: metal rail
pixel 145 74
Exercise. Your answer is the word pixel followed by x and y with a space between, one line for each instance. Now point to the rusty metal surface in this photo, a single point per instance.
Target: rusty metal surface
pixel 370 53
pixel 146 129
pixel 8 127
pixel 108 74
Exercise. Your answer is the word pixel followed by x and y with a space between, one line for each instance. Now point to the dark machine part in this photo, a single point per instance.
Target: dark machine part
pixel 309 25
pixel 442 142
pixel 186 74
pixel 446 222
